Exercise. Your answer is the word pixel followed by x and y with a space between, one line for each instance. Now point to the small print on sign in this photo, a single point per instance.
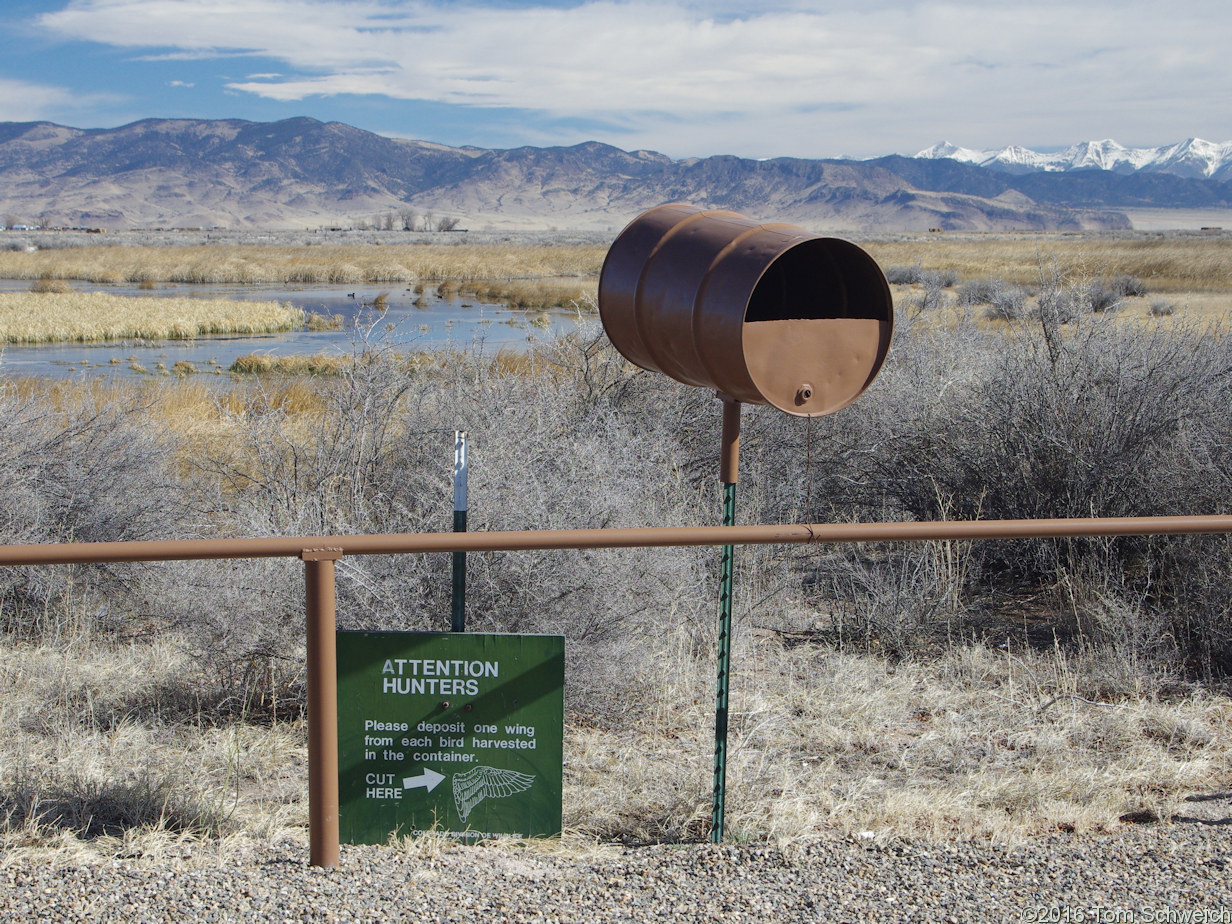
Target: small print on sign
pixel 451 732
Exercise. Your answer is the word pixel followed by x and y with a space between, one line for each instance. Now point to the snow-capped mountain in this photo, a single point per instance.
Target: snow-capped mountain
pixel 1192 158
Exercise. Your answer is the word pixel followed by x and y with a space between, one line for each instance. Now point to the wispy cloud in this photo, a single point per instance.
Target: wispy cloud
pixel 24 101
pixel 874 71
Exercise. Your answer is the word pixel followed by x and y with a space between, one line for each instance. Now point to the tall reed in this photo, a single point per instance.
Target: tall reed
pixel 96 316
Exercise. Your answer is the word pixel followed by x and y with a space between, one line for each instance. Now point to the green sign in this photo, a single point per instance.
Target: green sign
pixel 449 731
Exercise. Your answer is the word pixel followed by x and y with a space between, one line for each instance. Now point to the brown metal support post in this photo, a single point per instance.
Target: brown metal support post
pixel 322 707
pixel 729 460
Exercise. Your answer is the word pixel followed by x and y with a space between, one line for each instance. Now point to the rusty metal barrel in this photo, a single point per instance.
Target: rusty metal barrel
pixel 763 313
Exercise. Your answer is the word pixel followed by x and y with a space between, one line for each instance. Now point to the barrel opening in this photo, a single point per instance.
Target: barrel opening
pixel 819 278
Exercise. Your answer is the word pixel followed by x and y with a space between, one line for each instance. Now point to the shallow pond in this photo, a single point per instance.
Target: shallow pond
pixel 453 322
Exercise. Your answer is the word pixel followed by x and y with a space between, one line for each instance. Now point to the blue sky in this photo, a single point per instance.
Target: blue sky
pixel 845 77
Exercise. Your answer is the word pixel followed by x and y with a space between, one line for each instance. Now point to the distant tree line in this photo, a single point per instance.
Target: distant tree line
pixel 409 219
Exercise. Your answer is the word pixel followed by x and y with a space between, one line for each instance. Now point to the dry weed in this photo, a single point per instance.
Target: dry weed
pixel 120 750
pixel 111 752
pixel 1164 264
pixel 980 743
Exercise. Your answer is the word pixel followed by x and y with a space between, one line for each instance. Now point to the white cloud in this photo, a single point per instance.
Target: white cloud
pixel 22 101
pixel 783 78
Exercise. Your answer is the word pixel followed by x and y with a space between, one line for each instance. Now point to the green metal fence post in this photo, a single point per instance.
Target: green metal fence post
pixel 459 526
pixel 728 474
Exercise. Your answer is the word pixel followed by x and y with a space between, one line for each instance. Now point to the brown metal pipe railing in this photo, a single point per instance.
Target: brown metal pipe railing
pixel 526 540
pixel 320 552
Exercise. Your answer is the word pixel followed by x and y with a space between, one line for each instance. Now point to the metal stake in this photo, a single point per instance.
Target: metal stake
pixel 459 526
pixel 728 473
pixel 322 707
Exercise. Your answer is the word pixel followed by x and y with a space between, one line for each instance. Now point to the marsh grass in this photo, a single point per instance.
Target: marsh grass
pixel 1160 264
pixel 47 285
pixel 286 264
pixel 96 316
pixel 537 295
pixel 264 364
pixel 321 322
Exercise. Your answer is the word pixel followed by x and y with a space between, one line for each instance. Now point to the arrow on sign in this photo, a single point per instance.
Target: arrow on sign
pixel 429 780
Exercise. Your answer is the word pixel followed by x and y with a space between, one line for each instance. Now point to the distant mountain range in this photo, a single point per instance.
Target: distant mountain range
pixel 1192 158
pixel 305 173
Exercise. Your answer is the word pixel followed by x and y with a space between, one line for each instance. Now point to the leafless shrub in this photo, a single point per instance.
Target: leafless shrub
pixel 931 299
pixel 1109 420
pixel 1005 302
pixel 963 423
pixel 1062 300
pixel 1058 305
pixel 917 275
pixel 979 291
pixel 1128 286
pixel 559 440
pixel 86 474
pixel 899 600
pixel 1100 298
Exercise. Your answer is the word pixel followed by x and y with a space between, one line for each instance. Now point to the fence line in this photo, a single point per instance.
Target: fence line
pixel 650 537
pixel 320 552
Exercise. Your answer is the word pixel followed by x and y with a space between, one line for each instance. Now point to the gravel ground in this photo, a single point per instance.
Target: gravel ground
pixel 1171 872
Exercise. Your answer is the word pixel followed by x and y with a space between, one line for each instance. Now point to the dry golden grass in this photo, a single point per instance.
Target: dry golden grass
pixel 979 743
pixel 1165 263
pixel 1213 308
pixel 263 363
pixel 46 285
pixel 541 294
pixel 1208 309
pixel 321 322
pixel 96 316
pixel 285 264
pixel 114 756
pixel 204 420
pixel 111 750
pixel 1192 264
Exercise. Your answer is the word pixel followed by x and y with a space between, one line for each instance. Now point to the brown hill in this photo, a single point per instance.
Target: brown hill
pixel 304 173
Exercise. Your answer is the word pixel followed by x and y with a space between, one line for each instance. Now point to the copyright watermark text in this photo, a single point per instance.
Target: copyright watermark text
pixel 1099 914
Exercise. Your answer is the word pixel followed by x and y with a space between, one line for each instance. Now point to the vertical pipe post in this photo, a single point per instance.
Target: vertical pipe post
pixel 459 526
pixel 322 707
pixel 729 467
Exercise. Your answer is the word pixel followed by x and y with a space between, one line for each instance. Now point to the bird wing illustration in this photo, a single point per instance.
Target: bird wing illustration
pixel 473 786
